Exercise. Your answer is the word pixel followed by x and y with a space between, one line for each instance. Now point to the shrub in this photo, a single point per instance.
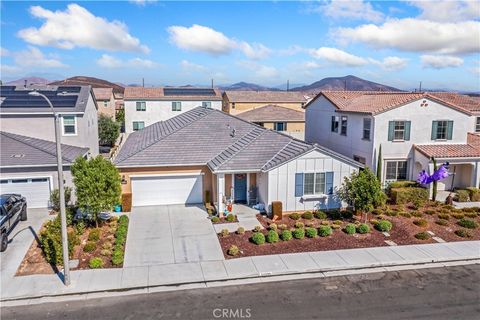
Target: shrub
pixel 307 215
pixel 404 195
pixel 417 214
pixel 444 216
pixel 462 195
pixel 273 226
pixel 282 226
pixel 230 217
pixel 350 228
pixel 463 233
pixel 325 231
pixel 299 225
pixel 448 207
pixel 363 228
pixel 471 214
pixel 347 214
pixel 215 219
pixel 430 212
pixel 294 216
pixel 474 194
pixel 105 252
pixel 95 263
pixel 90 246
pixel 233 250
pixel 334 214
pixel 272 236
pixel 325 223
pixel 117 256
pixel 468 209
pixel 374 221
pixel 107 245
pixel 80 227
pixel 402 184
pixel 458 216
pixel 420 222
pixel 258 238
pixel 224 233
pixel 405 214
pixel 377 211
pixel 286 235
pixel 335 226
pixel 55 198
pixel 298 233
pixel 422 236
pixel 469 224
pixel 383 226
pixel 257 229
pixel 320 215
pixel 311 232
pixel 337 222
pixel 391 213
pixel 442 222
pixel 94 235
pixel 240 230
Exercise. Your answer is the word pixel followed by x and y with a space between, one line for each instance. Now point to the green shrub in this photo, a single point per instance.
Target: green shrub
pixel 298 233
pixel 470 224
pixel 383 226
pixel 233 250
pixel 294 216
pixel 51 241
pixel 240 230
pixel 307 215
pixel 258 238
pixel 420 222
pixel 402 184
pixel 80 227
pixel 391 213
pixel 363 228
pixel 273 226
pixel 272 236
pixel 335 226
pixel 430 212
pixel 377 211
pixel 442 222
pixel 373 221
pixel 337 222
pixel 311 232
pixel 463 233
pixel 215 219
pixel 257 229
pixel 230 217
pixel 55 198
pixel 405 214
pixel 423 236
pixel 90 246
pixel 444 216
pixel 117 256
pixel 325 231
pixel 350 228
pixel 299 225
pixel 448 207
pixel 471 214
pixel 462 195
pixel 286 235
pixel 94 235
pixel 224 233
pixel 474 194
pixel 469 209
pixel 95 263
pixel 417 214
pixel 458 216
pixel 320 215
pixel 325 223
pixel 405 195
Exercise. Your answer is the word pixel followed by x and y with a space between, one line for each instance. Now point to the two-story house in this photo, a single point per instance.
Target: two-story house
pixel 27 138
pixel 401 131
pixel 146 106
pixel 105 101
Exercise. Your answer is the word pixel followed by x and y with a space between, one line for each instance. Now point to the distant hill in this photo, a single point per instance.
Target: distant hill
pixel 246 86
pixel 344 83
pixel 30 81
pixel 94 82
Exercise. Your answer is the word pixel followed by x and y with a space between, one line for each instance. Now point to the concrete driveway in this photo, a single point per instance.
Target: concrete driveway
pixel 170 234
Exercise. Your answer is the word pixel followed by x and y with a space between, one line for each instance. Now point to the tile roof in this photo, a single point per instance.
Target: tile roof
pixel 272 113
pixel 266 96
pixel 158 93
pixel 214 138
pixel 449 150
pixel 23 151
pixel 103 93
pixel 375 102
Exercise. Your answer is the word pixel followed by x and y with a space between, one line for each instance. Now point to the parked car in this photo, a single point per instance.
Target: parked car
pixel 13 207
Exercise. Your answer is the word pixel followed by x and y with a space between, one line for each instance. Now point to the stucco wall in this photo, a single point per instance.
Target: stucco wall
pixel 109 109
pixel 244 106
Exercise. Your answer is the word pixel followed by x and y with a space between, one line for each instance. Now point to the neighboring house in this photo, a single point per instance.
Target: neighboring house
pixel 411 128
pixel 105 101
pixel 206 155
pixel 27 115
pixel 286 120
pixel 235 102
pixel 28 166
pixel 146 106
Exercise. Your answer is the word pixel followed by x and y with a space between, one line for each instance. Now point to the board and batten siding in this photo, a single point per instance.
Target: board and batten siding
pixel 281 181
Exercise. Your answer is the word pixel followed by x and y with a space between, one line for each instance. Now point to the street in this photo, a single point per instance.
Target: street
pixel 440 293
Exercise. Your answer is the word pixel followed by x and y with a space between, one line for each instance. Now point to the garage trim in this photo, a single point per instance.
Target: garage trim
pixel 167 175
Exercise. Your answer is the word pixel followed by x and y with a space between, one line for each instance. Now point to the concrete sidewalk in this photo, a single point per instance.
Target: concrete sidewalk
pixel 254 268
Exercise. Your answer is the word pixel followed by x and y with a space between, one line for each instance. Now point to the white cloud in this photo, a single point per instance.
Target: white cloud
pixel 4 52
pixel 77 27
pixel 8 69
pixel 111 62
pixel 448 11
pixel 33 57
pixel 338 57
pixel 391 63
pixel 142 3
pixel 440 62
pixel 190 66
pixel 292 50
pixel 204 39
pixel 417 36
pixel 259 70
pixel 353 9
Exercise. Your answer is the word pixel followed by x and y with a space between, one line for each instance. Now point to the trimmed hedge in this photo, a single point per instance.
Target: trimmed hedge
pixel 258 238
pixel 286 235
pixel 307 215
pixel 474 194
pixel 51 241
pixel 462 195
pixel 320 215
pixel 120 240
pixel 406 195
pixel 325 231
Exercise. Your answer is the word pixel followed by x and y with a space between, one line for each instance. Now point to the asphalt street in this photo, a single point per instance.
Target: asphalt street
pixel 437 293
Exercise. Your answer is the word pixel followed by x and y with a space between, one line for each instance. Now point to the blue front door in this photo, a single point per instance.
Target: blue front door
pixel 240 188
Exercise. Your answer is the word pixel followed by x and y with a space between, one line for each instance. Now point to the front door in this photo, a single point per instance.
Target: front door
pixel 240 192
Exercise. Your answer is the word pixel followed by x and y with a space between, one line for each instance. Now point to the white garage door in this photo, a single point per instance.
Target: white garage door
pixel 35 190
pixel 160 190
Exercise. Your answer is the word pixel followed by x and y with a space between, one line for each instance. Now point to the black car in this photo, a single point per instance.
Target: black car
pixel 13 207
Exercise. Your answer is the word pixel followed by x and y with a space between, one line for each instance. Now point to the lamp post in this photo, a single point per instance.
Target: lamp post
pixel 63 216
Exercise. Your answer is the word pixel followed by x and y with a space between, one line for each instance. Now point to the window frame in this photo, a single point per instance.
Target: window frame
pixel 387 162
pixel 445 128
pixel 137 122
pixel 205 103
pixel 395 130
pixel 335 123
pixel 477 125
pixel 142 104
pixel 365 129
pixel 105 104
pixel 315 183
pixel 276 124
pixel 75 126
pixel 343 125
pixel 176 106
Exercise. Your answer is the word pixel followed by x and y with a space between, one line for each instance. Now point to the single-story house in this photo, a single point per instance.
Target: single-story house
pixel 206 155
pixel 28 166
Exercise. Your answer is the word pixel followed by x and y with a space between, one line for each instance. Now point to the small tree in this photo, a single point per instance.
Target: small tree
pixel 108 130
pixel 379 163
pixel 362 191
pixel 434 183
pixel 97 184
pixel 55 198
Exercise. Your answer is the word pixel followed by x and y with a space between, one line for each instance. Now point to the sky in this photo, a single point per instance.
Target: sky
pixel 267 42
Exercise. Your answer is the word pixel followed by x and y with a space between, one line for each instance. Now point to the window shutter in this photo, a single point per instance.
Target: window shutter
pixel 407 130
pixel 434 130
pixel 391 127
pixel 333 124
pixel 449 130
pixel 298 184
pixel 329 182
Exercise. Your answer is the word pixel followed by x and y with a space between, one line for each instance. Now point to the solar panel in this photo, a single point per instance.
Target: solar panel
pixel 188 92
pixel 21 99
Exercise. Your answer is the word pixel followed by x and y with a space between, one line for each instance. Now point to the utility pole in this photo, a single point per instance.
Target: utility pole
pixel 143 82
pixel 344 85
pixel 288 85
pixel 212 83
pixel 420 87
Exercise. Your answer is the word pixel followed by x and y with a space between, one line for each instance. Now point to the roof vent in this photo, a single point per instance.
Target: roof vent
pixel 17 156
pixel 232 134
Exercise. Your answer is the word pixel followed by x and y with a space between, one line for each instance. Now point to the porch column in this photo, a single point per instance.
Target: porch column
pixel 220 193
pixel 232 188
pixel 248 188
pixel 476 175
pixel 431 170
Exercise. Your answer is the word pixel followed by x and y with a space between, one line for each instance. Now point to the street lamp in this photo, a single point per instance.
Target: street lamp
pixel 63 216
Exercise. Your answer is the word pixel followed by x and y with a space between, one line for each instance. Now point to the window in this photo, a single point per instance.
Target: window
pixel 206 104
pixel 367 124
pixel 280 126
pixel 442 130
pixel 399 131
pixel 477 125
pixel 343 129
pixel 20 181
pixel 233 105
pixel 335 121
pixel 314 183
pixel 359 159
pixel 176 106
pixel 138 125
pixel 105 104
pixel 141 106
pixel 396 170
pixel 39 180
pixel 69 125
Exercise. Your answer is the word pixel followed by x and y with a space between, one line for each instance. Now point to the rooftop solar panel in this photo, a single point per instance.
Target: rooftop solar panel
pixel 188 92
pixel 13 98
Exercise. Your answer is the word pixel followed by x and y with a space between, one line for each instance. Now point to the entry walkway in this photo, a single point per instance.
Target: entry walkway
pixel 246 218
